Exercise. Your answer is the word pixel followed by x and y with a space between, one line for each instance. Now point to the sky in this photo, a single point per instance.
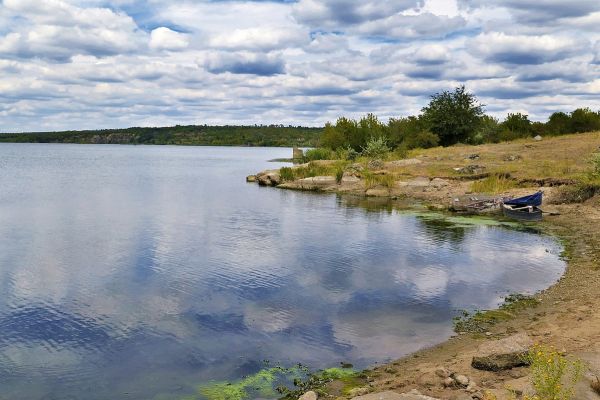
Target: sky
pixel 87 64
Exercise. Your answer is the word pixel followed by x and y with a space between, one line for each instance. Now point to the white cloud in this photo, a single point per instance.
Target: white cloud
pixel 166 39
pixel 94 63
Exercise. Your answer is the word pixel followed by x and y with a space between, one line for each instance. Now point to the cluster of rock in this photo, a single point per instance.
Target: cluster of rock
pixel 352 182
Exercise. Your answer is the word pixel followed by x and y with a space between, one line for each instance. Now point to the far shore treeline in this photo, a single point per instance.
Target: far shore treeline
pixel 190 135
pixel 451 117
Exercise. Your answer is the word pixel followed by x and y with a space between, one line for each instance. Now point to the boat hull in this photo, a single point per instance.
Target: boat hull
pixel 522 213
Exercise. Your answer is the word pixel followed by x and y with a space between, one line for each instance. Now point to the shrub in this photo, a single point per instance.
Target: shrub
pixel 422 140
pixel 595 161
pixel 376 148
pixel 347 154
pixel 287 174
pixel 339 174
pixel 553 376
pixel 318 154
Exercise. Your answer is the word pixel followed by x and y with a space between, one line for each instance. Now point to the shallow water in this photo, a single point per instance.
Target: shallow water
pixel 142 272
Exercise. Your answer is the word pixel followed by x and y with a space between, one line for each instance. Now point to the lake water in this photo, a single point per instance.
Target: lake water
pixel 130 272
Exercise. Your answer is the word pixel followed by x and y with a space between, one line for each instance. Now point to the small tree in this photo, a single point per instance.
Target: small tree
pixel 515 126
pixel 453 116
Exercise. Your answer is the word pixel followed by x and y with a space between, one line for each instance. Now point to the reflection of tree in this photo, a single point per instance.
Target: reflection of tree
pixel 442 230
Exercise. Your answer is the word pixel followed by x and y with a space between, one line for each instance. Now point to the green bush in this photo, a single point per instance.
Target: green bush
pixel 318 154
pixel 376 148
pixel 422 140
pixel 287 174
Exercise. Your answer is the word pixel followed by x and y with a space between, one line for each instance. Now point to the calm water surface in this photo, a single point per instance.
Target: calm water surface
pixel 141 272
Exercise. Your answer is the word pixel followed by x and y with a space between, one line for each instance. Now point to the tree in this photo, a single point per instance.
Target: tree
pixel 332 138
pixel 453 116
pixel 518 124
pixel 584 120
pixel 558 123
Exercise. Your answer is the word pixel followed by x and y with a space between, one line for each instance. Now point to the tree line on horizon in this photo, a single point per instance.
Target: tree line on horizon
pixel 190 135
pixel 451 117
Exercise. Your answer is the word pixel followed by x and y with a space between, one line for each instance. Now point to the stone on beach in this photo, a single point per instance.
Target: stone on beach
pixel 310 395
pixel 503 354
pixel 389 395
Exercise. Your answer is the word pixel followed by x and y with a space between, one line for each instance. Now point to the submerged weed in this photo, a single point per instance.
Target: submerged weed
pixel 482 321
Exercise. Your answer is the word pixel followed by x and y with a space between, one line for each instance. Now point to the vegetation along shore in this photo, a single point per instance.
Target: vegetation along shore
pixel 541 347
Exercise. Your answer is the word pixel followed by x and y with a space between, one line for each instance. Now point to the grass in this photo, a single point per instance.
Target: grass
pixel 494 184
pixel 373 180
pixel 560 157
pixel 313 169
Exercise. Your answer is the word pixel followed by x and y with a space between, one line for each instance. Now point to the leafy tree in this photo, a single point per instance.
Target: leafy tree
pixel 332 137
pixel 516 125
pixel 453 116
pixel 558 123
pixel 488 130
pixel 584 120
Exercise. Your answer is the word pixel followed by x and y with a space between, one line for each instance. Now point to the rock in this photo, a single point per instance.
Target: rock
pixel 449 382
pixel 512 157
pixel 537 138
pixel 403 163
pixel 472 157
pixel 472 387
pixel 351 179
pixel 354 170
pixel 389 395
pixel 359 391
pixel 442 372
pixel 309 396
pixel 461 380
pixel 317 183
pixel 439 183
pixel 470 169
pixel 375 164
pixel 419 182
pixel 269 178
pixel 503 354
pixel 251 178
pixel 377 192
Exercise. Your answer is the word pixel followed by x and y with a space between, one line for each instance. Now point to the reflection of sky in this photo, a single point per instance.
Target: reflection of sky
pixel 149 269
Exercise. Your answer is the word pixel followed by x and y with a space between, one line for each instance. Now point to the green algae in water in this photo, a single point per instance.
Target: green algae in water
pixel 262 384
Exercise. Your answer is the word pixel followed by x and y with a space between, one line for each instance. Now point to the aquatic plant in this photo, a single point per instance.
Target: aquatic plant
pixel 263 383
pixel 260 384
pixel 481 321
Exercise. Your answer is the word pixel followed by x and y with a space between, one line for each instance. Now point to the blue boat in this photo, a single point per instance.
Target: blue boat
pixel 525 208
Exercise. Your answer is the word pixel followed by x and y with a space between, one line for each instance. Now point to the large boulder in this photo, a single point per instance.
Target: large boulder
pixel 317 183
pixel 310 395
pixel 503 354
pixel 389 395
pixel 269 178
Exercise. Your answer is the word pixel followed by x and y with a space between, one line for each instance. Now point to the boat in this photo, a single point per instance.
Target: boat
pixel 526 208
